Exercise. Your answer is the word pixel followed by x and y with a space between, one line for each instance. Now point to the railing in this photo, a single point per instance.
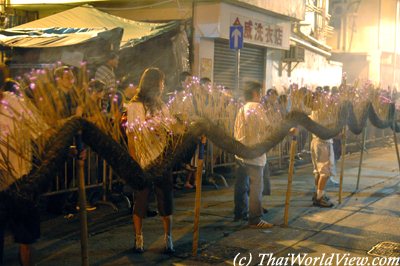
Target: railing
pixel 279 155
pixel 99 174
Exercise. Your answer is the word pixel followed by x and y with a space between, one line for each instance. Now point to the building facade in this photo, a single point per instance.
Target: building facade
pixel 284 41
pixel 309 61
pixel 365 39
pixel 266 28
pixel 213 56
pixel 277 50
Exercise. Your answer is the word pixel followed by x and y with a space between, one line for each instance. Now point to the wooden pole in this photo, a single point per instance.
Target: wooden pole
pixel 104 196
pixel 342 163
pixel 82 204
pixel 361 157
pixel 290 178
pixel 199 172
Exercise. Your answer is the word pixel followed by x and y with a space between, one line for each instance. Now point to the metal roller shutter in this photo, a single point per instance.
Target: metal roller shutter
pixel 252 64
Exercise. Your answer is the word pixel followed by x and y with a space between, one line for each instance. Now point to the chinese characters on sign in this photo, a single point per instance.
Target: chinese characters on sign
pixel 257 31
pixel 264 33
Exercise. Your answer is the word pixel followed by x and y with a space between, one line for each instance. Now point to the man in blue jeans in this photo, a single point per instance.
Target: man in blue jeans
pixel 251 127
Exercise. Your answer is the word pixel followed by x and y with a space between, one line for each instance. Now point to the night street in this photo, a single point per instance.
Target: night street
pixel 363 220
pixel 199 132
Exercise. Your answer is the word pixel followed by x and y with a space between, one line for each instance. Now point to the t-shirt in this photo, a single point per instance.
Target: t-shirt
pixel 323 119
pixel 106 74
pixel 251 127
pixel 147 133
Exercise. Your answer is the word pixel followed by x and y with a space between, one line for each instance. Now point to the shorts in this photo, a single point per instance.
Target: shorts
pixel 26 230
pixel 163 189
pixel 22 218
pixel 320 155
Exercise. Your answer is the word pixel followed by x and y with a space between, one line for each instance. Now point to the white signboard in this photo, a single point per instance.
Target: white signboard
pixel 215 20
pixel 265 33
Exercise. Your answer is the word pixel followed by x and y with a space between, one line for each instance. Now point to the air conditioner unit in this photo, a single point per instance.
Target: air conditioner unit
pixel 295 54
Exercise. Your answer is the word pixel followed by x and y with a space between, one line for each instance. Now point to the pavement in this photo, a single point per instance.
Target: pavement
pixel 364 218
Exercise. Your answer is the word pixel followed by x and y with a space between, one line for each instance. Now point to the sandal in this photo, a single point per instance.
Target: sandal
pixel 190 168
pixel 169 246
pixel 138 248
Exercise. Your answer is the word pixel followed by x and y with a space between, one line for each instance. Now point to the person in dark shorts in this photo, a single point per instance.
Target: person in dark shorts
pixel 148 128
pixel 24 224
pixel 18 211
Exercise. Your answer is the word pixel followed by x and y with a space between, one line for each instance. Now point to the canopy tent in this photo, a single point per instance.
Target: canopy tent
pixel 51 39
pixel 57 37
pixel 36 48
pixel 87 16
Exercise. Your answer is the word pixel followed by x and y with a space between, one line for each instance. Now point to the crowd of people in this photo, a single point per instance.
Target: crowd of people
pixel 32 106
pixel 148 126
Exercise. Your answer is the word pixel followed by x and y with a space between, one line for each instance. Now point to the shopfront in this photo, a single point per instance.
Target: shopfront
pixel 213 57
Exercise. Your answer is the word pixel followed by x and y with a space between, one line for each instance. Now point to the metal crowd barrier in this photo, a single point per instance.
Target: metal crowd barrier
pixel 66 180
pixel 99 174
pixel 278 156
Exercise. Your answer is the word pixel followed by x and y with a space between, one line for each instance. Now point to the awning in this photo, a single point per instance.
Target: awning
pixel 56 37
pixel 88 17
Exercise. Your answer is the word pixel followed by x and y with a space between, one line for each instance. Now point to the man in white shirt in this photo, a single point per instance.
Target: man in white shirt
pixel 251 127
pixel 321 153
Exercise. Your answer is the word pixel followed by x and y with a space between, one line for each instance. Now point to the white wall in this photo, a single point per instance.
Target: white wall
pixel 206 26
pixel 315 71
pixel 206 58
pixel 292 8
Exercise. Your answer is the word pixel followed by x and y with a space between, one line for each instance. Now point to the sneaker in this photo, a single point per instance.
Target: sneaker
pixel 261 225
pixel 314 197
pixel 190 168
pixel 138 244
pixel 333 182
pixel 323 202
pixel 169 246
